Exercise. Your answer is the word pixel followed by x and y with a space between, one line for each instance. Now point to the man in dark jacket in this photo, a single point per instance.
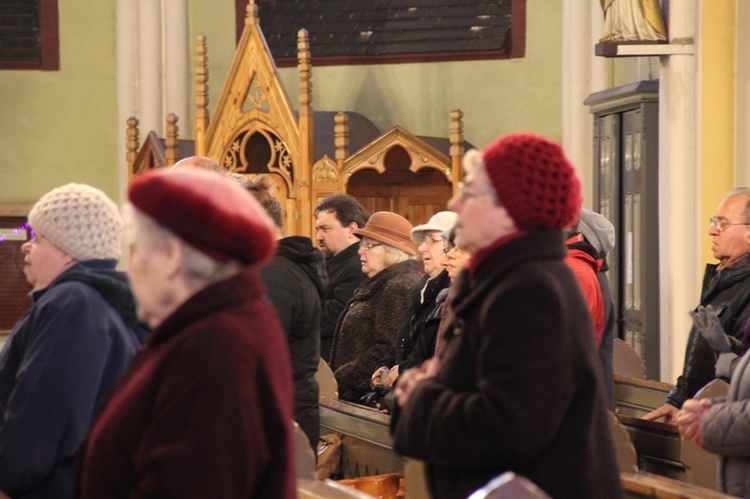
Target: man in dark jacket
pixel 70 348
pixel 295 280
pixel 726 287
pixel 517 386
pixel 336 219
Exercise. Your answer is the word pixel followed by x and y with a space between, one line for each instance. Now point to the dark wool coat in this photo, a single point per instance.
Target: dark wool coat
pixel 205 409
pixel 295 280
pixel 519 387
pixel 344 276
pixel 729 293
pixel 61 359
pixel 367 329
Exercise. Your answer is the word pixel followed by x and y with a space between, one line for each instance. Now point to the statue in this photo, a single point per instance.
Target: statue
pixel 630 20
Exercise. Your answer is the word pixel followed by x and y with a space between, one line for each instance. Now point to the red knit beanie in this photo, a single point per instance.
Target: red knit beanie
pixel 534 181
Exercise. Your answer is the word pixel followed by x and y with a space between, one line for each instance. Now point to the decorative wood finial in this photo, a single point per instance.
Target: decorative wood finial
pixel 304 69
pixel 457 133
pixel 251 17
pixel 201 94
pixel 457 147
pixel 131 144
pixel 341 134
pixel 171 140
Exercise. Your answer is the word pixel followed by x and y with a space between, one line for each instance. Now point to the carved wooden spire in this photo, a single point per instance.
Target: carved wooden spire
pixel 457 144
pixel 171 140
pixel 306 126
pixel 201 96
pixel 341 139
pixel 131 144
pixel 251 17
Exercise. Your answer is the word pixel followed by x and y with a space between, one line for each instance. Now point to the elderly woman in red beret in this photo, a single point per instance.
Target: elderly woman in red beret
pixel 366 330
pixel 205 409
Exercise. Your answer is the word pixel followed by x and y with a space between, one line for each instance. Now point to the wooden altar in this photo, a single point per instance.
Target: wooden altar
pixel 255 130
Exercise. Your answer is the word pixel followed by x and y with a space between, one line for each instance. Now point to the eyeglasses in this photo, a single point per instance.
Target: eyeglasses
pixel 720 225
pixel 463 191
pixel 369 246
pixel 429 241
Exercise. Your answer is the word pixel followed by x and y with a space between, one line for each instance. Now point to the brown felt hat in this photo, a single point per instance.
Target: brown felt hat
pixel 389 228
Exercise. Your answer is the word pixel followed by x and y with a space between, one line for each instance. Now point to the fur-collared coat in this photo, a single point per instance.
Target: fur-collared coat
pixel 367 328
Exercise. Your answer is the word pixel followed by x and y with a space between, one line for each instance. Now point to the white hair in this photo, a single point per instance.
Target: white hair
pixel 196 266
pixel 472 161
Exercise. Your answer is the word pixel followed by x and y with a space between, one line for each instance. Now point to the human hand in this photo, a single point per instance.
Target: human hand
pixel 689 419
pixel 667 411
pixel 376 376
pixel 392 377
pixel 707 323
pixel 411 378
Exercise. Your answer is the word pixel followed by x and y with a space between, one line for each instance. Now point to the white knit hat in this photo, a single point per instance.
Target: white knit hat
pixel 440 221
pixel 80 220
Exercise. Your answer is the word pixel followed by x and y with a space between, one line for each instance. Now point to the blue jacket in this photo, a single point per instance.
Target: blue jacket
pixel 60 360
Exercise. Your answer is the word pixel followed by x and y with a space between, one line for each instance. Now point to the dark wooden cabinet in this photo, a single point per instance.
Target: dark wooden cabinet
pixel 626 185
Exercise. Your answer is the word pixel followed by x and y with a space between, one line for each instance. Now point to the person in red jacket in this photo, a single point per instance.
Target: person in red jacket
pixel 583 259
pixel 206 408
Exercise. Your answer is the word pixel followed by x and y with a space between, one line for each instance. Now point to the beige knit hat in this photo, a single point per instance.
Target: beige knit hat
pixel 80 220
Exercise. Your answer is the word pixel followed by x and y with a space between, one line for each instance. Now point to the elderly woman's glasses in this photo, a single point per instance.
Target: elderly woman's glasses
pixel 463 191
pixel 369 246
pixel 720 225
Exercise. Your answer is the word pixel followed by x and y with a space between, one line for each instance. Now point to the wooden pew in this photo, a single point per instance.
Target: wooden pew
pixel 367 447
pixel 658 445
pixel 367 444
pixel 643 485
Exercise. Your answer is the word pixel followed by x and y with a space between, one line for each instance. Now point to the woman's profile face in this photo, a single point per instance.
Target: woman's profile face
pixel 371 256
pixel 148 279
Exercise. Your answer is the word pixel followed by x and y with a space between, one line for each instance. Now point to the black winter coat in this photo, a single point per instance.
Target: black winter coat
pixel 295 280
pixel 367 329
pixel 729 293
pixel 418 324
pixel 344 276
pixel 518 388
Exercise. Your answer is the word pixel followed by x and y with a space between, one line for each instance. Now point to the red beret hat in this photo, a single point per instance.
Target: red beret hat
pixel 208 211
pixel 534 181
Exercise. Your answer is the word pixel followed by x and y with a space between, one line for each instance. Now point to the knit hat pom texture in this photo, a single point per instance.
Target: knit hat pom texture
pixel 534 181
pixel 80 220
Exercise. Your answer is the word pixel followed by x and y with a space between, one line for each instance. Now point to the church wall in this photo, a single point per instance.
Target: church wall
pixel 59 126
pixel 717 111
pixel 495 96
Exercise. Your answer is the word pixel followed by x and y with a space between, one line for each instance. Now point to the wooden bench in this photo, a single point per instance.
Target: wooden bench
pixel 367 444
pixel 642 484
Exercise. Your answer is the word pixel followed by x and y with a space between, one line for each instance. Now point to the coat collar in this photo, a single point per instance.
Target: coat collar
pixel 210 300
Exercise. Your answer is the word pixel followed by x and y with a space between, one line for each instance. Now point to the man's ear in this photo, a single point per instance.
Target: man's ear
pixel 351 228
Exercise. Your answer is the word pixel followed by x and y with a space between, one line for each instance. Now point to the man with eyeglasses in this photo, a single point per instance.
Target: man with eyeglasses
pixel 517 385
pixel 336 219
pixel 726 287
